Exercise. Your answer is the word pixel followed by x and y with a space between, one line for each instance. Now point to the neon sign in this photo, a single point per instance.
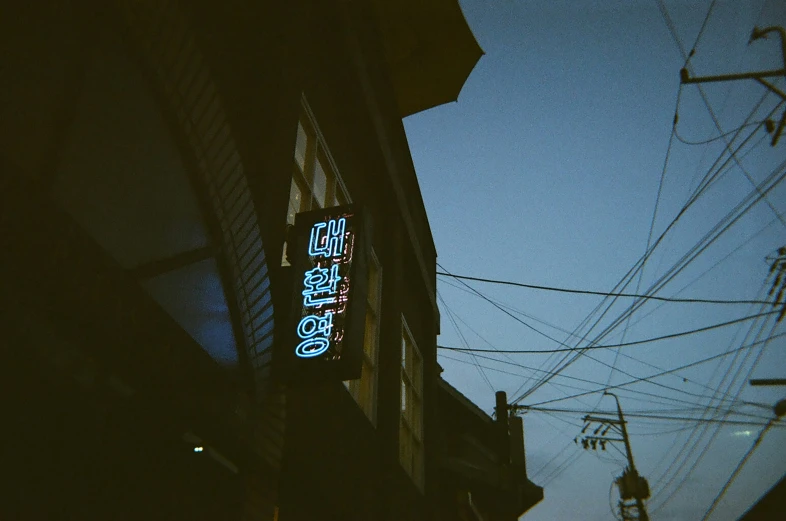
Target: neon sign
pixel 325 287
pixel 329 276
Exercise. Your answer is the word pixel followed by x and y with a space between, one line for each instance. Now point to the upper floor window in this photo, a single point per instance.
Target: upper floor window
pixel 364 389
pixel 411 420
pixel 315 184
pixel 315 181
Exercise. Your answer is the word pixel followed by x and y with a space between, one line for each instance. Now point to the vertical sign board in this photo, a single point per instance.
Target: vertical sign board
pixel 330 278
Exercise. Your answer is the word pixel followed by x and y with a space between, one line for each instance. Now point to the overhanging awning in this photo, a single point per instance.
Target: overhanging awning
pixel 430 50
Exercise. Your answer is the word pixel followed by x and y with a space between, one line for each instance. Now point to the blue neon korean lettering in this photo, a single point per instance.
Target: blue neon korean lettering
pixel 321 286
pixel 314 332
pixel 324 288
pixel 327 239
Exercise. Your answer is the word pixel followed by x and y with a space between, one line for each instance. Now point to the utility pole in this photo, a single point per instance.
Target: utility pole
pixel 758 76
pixel 780 408
pixel 778 273
pixel 631 485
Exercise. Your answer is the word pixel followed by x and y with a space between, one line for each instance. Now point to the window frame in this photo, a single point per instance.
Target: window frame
pixel 316 153
pixel 368 403
pixel 411 392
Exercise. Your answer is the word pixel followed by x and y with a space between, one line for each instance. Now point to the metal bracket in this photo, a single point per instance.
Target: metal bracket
pixel 757 76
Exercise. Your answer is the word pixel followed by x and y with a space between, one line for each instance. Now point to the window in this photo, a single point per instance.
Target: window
pixel 411 422
pixel 316 183
pixel 364 389
pixel 315 180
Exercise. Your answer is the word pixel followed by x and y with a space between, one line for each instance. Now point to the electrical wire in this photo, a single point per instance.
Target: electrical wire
pixel 662 433
pixel 601 293
pixel 701 31
pixel 705 450
pixel 621 352
pixel 710 237
pixel 505 311
pixel 649 377
pixel 692 364
pixel 715 265
pixel 556 455
pixel 716 138
pixel 611 505
pixel 558 472
pixel 649 236
pixel 687 56
pixel 695 444
pixel 483 375
pixel 459 318
pixel 726 169
pixel 663 417
pixel 719 169
pixel 657 384
pixel 737 470
pixel 631 273
pixel 609 346
pixel 602 387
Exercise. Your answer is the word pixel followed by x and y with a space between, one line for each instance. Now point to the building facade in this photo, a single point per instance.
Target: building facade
pixel 481 461
pixel 154 156
pixel 769 506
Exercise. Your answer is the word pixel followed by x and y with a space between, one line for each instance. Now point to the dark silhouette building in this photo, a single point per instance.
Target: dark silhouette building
pixel 770 506
pixel 153 155
pixel 482 467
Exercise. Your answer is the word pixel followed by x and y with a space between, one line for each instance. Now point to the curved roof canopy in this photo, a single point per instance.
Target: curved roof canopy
pixel 430 49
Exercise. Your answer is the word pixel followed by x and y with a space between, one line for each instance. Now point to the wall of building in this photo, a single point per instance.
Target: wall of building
pixel 131 80
pixel 100 172
pixel 336 462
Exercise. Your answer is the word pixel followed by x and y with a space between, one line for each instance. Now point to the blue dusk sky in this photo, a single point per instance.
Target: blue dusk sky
pixel 547 171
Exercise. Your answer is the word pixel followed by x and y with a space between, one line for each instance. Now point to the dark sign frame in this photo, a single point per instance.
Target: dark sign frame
pixel 325 326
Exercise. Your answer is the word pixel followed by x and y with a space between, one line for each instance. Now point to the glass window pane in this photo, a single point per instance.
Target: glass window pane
pixel 341 197
pixel 366 390
pixel 417 369
pixel 331 188
pixel 416 418
pixel 320 184
pixel 373 284
pixel 363 390
pixel 301 144
pixel 410 358
pixel 194 297
pixel 405 447
pixel 417 463
pixel 370 336
pixel 295 202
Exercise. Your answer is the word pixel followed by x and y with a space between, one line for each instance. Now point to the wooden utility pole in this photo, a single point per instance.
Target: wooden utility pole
pixel 631 485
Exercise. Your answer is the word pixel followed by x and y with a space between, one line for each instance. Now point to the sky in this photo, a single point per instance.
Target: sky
pixel 546 172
